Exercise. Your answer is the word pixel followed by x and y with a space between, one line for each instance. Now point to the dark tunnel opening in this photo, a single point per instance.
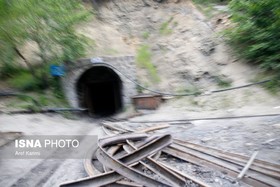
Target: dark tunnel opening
pixel 100 91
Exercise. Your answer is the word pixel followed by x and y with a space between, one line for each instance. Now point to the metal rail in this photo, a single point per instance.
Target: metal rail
pixel 111 177
pixel 251 174
pixel 132 156
pixel 126 171
pixel 172 179
pixel 153 165
pixel 261 166
pixel 231 170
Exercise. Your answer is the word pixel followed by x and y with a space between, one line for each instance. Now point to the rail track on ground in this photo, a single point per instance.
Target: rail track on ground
pixel 121 159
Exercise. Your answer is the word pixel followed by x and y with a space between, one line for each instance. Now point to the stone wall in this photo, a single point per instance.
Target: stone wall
pixel 123 66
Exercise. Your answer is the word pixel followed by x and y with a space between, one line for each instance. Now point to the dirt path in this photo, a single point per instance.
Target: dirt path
pixel 39 172
pixel 241 136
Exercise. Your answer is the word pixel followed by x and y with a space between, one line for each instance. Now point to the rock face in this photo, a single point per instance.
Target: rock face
pixel 182 42
pixel 185 49
pixel 123 66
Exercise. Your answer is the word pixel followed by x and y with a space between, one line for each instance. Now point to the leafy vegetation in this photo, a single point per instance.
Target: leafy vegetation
pixel 144 59
pixel 256 33
pixel 8 70
pixel 50 24
pixel 146 35
pixel 210 1
pixel 111 51
pixel 273 86
pixel 190 89
pixel 222 81
pixel 207 6
pixel 24 81
pixel 165 27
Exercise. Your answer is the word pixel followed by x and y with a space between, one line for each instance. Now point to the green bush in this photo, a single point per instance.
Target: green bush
pixel 256 32
pixel 51 25
pixel 24 81
pixel 8 70
pixel 144 59
pixel 274 85
pixel 165 28
pixel 222 81
pixel 146 35
pixel 210 1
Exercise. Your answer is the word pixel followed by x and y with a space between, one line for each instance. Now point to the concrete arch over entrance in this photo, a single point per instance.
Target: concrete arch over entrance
pixel 89 79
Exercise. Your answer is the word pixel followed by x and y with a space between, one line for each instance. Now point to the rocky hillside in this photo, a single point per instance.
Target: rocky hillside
pixel 177 50
pixel 184 48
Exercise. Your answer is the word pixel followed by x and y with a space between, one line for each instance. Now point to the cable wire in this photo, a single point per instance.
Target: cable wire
pixel 16 94
pixel 174 94
pixel 209 119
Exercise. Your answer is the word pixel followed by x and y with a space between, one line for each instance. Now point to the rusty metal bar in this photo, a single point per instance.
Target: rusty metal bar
pixel 148 149
pixel 258 165
pixel 261 163
pixel 232 171
pixel 90 169
pixel 121 139
pixel 115 128
pixel 124 184
pixel 94 181
pixel 126 171
pixel 154 128
pixel 138 145
pixel 106 131
pixel 246 168
pixel 111 177
pixel 251 174
pixel 174 179
pixel 202 184
pixel 112 150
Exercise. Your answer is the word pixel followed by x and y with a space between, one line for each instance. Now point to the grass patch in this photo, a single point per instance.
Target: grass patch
pixel 146 35
pixel 175 24
pixel 144 60
pixel 207 2
pixel 165 28
pixel 35 92
pixel 35 95
pixel 207 6
pixel 272 86
pixel 140 89
pixel 9 70
pixel 47 99
pixel 111 51
pixel 187 89
pixel 191 89
pixel 51 99
pixel 222 81
pixel 24 81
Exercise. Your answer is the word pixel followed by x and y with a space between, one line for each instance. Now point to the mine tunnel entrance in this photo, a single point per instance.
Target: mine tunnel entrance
pixel 100 91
